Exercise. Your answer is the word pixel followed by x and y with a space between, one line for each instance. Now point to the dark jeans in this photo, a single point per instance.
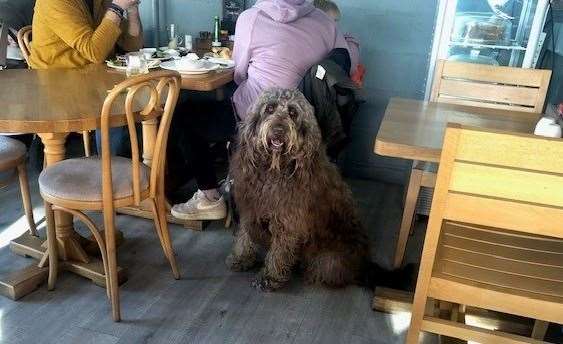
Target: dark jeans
pixel 195 126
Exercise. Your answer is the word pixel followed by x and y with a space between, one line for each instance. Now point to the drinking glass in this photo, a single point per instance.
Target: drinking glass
pixel 188 41
pixel 136 64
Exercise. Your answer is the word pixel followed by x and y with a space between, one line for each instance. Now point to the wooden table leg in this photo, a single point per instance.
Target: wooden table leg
pixel 220 94
pixel 67 238
pixel 74 257
pixel 150 130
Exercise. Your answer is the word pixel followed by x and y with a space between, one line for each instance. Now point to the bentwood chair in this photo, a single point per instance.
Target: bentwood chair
pixel 507 88
pixel 495 237
pixel 13 155
pixel 24 41
pixel 94 184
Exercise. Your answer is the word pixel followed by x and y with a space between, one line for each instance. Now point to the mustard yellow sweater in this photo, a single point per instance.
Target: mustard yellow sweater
pixel 65 35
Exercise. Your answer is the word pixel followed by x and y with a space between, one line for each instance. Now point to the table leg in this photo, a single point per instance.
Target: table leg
pixel 150 131
pixel 220 94
pixel 67 238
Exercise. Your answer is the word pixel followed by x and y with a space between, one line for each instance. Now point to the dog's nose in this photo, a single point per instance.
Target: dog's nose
pixel 278 131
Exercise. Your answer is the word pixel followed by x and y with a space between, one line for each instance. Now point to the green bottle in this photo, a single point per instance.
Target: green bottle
pixel 216 41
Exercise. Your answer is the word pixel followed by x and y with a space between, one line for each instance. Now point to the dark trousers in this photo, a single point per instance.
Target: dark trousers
pixel 197 125
pixel 120 144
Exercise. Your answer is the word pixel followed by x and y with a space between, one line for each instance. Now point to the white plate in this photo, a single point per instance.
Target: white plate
pixel 224 63
pixel 168 55
pixel 183 68
pixel 171 52
pixel 150 64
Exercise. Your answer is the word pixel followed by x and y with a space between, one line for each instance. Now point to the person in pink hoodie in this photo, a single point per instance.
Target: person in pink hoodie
pixel 276 43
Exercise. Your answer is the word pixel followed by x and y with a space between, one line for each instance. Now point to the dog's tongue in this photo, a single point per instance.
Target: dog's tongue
pixel 277 143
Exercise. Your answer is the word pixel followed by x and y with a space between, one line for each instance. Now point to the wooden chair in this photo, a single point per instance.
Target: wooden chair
pixel 13 157
pixel 24 41
pixel 494 238
pixel 507 88
pixel 94 184
pixel 4 32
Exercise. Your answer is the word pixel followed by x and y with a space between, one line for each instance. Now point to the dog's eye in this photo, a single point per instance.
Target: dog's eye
pixel 270 108
pixel 292 112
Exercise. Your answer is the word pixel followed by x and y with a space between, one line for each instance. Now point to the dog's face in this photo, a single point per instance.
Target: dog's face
pixel 282 128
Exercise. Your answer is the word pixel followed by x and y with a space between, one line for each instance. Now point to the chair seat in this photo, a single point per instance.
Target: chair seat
pixel 12 152
pixel 526 265
pixel 80 179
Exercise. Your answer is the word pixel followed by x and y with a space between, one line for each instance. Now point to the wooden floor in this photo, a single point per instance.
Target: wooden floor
pixel 210 304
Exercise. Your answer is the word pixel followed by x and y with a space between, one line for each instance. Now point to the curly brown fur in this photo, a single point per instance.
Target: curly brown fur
pixel 292 199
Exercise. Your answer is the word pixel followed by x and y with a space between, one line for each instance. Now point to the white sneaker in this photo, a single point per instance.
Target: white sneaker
pixel 199 208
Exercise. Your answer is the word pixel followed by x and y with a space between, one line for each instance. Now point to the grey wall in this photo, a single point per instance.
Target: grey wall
pixel 190 16
pixel 395 36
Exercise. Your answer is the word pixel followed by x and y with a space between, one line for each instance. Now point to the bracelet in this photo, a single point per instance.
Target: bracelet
pixel 117 10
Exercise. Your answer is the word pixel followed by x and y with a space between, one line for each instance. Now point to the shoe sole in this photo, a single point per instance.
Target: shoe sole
pixel 201 216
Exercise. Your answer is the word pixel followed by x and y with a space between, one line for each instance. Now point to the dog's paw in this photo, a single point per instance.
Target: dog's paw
pixel 239 264
pixel 266 284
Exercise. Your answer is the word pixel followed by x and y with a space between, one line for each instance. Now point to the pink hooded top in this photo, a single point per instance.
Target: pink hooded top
pixel 276 43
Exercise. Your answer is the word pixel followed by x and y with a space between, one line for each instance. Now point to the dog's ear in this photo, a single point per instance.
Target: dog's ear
pixel 309 130
pixel 247 132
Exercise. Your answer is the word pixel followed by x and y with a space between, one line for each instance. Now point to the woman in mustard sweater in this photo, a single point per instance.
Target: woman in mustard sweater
pixel 75 33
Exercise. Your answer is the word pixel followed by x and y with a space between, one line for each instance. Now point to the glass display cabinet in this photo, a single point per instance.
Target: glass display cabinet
pixel 494 32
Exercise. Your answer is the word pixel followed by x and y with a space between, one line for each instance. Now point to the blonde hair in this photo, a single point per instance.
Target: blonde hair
pixel 328 7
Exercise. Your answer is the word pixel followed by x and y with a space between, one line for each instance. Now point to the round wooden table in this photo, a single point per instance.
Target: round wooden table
pixel 52 104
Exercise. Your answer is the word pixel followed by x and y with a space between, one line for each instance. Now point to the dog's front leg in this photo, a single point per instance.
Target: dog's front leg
pixel 280 260
pixel 243 256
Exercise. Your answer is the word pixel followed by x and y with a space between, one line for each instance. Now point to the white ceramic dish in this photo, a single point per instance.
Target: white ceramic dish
pixel 223 63
pixel 168 53
pixel 150 64
pixel 184 66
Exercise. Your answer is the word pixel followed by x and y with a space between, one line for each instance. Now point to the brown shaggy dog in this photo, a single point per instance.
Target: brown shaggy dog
pixel 292 200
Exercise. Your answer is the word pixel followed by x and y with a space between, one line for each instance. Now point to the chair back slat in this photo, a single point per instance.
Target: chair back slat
pixel 143 102
pixel 501 279
pixel 490 86
pixel 506 180
pixel 133 91
pixel 526 152
pixel 24 41
pixel 499 182
pixel 529 218
pixel 168 91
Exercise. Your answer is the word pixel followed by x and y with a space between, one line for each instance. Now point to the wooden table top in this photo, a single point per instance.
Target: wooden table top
pixel 70 100
pixel 56 100
pixel 413 129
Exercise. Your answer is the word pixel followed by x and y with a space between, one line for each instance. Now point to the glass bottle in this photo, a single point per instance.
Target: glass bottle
pixel 216 33
pixel 172 37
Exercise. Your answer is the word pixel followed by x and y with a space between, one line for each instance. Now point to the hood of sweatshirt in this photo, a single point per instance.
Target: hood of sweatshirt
pixel 285 11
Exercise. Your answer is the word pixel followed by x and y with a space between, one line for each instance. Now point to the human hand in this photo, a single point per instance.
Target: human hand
pixel 133 10
pixel 126 4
